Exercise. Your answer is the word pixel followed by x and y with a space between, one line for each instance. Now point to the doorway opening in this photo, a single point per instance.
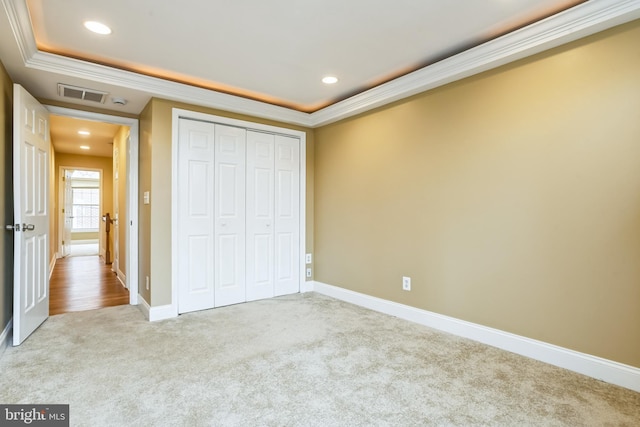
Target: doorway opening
pixel 80 195
pixel 95 193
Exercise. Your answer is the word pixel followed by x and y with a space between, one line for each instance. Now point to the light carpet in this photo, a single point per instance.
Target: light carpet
pixel 83 249
pixel 300 360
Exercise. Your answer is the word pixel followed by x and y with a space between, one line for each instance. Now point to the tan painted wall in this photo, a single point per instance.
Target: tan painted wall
pixel 6 197
pixel 144 211
pixel 120 148
pixel 155 174
pixel 512 198
pixel 84 235
pixel 90 162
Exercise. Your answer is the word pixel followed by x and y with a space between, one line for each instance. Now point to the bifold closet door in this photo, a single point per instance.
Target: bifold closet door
pixel 196 215
pixel 273 215
pixel 230 147
pixel 238 215
pixel 287 215
pixel 260 215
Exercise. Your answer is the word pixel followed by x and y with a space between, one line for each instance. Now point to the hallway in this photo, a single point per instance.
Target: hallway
pixel 84 283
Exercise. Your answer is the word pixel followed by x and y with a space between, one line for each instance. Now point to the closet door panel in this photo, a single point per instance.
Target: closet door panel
pixel 230 148
pixel 260 211
pixel 238 215
pixel 196 214
pixel 287 215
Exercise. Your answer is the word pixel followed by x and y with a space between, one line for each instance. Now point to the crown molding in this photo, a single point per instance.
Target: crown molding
pixel 164 89
pixel 580 21
pixel 20 22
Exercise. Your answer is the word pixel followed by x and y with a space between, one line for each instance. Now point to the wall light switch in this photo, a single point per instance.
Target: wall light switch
pixel 146 197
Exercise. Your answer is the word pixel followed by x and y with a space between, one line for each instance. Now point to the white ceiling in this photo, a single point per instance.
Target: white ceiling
pixel 234 55
pixel 278 50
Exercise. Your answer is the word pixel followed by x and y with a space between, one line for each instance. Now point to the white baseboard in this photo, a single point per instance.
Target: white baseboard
pixel 144 307
pixel 5 337
pixel 156 313
pixel 122 278
pixel 593 366
pixel 162 312
pixel 306 286
pixel 134 298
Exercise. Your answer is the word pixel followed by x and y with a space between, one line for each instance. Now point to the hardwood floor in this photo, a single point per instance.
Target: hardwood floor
pixel 84 283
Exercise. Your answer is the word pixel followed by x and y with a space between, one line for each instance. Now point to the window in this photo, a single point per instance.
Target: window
pixel 82 174
pixel 86 208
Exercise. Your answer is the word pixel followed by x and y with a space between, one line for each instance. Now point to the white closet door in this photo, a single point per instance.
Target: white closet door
pixel 287 215
pixel 230 143
pixel 260 215
pixel 196 214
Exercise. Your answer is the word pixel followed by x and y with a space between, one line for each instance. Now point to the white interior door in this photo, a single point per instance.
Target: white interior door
pixel 230 146
pixel 287 215
pixel 31 214
pixel 67 213
pixel 260 215
pixel 196 215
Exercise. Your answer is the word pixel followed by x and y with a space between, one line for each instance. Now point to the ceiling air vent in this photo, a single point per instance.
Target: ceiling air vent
pixel 81 93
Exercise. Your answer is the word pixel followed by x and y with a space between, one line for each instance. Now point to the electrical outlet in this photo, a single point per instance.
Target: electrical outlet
pixel 308 259
pixel 406 283
pixel 147 282
pixel 308 272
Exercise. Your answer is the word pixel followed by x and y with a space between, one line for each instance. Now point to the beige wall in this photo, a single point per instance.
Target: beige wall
pixel 120 164
pixel 6 197
pixel 84 235
pixel 144 211
pixel 512 198
pixel 90 162
pixel 155 175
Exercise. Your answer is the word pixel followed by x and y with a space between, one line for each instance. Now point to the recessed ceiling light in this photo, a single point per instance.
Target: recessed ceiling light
pixel 84 147
pixel 97 27
pixel 84 132
pixel 329 80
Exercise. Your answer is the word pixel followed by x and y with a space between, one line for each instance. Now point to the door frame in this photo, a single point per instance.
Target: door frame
pixel 176 115
pixel 132 187
pixel 61 197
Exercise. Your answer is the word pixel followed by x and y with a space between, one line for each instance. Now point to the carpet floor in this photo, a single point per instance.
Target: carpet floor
pixel 299 360
pixel 83 249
